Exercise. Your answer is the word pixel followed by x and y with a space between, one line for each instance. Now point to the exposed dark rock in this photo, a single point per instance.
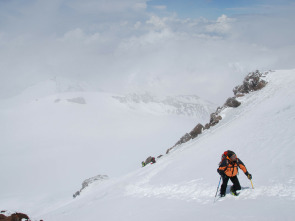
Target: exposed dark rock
pixel 214 119
pixel 184 139
pixel 168 150
pixel 87 182
pixel 252 82
pixel 78 100
pixel 14 217
pixel 196 131
pixel 232 102
pixel 76 194
pixel 207 126
pixel 150 159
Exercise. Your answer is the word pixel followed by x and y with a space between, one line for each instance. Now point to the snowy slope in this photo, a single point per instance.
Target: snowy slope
pixel 56 134
pixel 182 184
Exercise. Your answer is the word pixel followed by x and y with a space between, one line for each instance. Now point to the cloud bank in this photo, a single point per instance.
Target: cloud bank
pixel 124 46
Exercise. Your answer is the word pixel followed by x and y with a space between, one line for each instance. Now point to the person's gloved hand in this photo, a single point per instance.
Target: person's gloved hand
pixel 249 175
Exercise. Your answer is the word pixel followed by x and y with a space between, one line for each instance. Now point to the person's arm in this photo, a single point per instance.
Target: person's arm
pixel 243 167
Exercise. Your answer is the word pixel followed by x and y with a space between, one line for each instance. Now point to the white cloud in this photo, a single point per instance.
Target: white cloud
pixel 158 22
pixel 222 25
pixel 76 34
pixel 137 25
pixel 120 47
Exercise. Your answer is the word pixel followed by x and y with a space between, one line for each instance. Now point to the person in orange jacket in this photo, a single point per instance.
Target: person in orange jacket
pixel 228 169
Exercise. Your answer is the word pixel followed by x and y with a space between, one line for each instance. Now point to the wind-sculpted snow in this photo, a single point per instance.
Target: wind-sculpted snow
pixel 201 192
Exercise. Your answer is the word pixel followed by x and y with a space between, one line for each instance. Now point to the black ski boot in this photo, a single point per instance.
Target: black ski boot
pixel 233 192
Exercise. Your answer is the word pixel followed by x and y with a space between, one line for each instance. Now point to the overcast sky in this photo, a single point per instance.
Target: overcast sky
pixel 201 47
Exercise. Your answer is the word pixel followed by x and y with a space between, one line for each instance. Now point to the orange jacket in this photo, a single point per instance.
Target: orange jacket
pixel 230 168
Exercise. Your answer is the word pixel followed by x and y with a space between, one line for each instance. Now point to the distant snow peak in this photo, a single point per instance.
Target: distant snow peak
pixel 66 85
pixel 187 105
pixel 53 86
pixel 77 100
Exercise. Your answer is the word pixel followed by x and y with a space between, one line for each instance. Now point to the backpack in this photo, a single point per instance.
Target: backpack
pixel 225 154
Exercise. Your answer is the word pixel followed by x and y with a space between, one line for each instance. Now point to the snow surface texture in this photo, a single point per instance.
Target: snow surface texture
pixel 182 184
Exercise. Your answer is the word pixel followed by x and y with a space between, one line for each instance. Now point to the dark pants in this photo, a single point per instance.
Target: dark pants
pixel 234 180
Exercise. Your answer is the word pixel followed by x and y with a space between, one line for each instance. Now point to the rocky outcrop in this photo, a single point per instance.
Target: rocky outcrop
pixel 5 216
pixel 77 100
pixel 232 102
pixel 214 119
pixel 87 182
pixel 188 136
pixel 196 131
pixel 184 139
pixel 150 159
pixel 252 82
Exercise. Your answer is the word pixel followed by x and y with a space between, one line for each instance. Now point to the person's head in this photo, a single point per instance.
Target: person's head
pixel 231 155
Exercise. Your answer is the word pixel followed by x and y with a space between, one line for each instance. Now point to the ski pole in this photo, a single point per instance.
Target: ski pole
pixel 217 189
pixel 252 184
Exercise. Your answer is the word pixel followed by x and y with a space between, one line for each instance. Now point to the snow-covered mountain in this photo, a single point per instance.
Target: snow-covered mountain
pixel 187 105
pixel 182 184
pixel 58 133
pixel 55 86
pixel 65 89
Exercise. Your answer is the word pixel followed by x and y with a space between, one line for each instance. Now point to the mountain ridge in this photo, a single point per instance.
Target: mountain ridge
pixel 187 105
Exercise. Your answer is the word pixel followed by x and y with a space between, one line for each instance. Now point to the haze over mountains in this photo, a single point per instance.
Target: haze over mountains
pixel 57 133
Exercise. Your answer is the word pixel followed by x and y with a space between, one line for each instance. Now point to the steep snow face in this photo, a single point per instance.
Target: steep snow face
pixel 57 134
pixel 182 184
